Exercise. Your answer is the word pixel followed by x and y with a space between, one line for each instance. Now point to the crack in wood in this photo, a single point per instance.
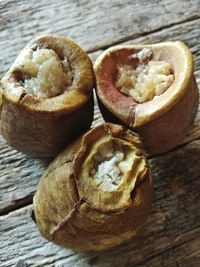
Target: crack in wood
pixel 17 204
pixel 137 36
pixel 170 248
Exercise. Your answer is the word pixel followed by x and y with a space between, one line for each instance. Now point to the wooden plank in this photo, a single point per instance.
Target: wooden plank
pixel 17 190
pixel 19 175
pixel 93 24
pixel 174 221
pixel 184 255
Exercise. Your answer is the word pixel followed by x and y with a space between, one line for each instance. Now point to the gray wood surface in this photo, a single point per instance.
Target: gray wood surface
pixel 172 233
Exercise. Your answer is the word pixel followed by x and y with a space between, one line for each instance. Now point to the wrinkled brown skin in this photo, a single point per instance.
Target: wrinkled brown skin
pixel 66 219
pixel 167 127
pixel 43 127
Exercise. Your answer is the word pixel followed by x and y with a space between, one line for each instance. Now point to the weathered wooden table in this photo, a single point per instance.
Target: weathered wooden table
pixel 172 233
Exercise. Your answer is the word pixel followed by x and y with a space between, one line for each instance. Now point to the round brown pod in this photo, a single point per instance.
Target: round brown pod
pixel 149 88
pixel 97 193
pixel 47 96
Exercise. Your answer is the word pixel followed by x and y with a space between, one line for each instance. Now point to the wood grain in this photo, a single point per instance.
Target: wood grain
pixel 19 175
pixel 186 254
pixel 173 223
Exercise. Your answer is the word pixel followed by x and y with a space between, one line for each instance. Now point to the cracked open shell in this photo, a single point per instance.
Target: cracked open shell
pixel 47 96
pixel 150 89
pixel 97 193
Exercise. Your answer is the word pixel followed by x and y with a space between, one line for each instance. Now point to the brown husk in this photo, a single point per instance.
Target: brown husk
pixel 64 212
pixel 43 127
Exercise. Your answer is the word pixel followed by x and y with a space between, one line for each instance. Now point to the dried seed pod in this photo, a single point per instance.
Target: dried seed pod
pixel 97 193
pixel 47 96
pixel 151 89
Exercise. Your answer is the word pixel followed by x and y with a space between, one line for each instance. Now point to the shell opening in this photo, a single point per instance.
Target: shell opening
pixel 109 165
pixel 45 75
pixel 150 78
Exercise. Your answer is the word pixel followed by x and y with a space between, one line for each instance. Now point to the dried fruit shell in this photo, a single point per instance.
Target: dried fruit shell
pixel 73 210
pixel 163 121
pixel 42 126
